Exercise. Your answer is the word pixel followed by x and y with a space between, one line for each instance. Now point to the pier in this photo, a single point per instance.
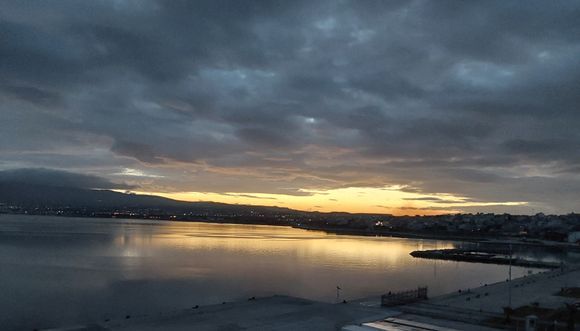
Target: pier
pixel 464 255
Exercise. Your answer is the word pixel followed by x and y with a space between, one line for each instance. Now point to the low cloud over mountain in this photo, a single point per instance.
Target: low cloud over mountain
pixel 56 178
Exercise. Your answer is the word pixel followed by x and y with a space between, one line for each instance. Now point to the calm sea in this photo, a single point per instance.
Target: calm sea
pixel 61 271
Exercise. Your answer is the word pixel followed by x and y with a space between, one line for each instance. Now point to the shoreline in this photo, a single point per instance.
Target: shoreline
pixel 470 301
pixel 431 236
pixel 354 232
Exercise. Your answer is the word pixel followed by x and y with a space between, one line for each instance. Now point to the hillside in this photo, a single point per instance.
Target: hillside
pixel 33 195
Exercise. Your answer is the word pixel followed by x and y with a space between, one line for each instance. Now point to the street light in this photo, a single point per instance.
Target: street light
pixel 510 279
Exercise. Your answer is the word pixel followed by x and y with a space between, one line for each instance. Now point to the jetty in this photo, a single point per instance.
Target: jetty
pixel 475 256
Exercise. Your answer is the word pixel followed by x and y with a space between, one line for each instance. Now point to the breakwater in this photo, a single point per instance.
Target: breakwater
pixel 481 257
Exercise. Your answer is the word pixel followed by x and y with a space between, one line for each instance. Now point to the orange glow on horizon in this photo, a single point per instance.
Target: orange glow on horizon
pixel 386 200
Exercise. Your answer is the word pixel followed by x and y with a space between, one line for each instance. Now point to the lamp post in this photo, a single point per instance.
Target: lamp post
pixel 510 279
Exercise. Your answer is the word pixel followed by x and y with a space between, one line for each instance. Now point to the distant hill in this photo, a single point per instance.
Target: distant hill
pixel 34 195
pixel 44 190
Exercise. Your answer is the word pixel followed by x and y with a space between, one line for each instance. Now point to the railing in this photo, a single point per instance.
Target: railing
pixel 404 297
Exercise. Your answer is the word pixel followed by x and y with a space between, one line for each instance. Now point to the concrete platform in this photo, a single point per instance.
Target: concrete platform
pixel 472 308
pixel 540 288
pixel 271 313
pixel 460 311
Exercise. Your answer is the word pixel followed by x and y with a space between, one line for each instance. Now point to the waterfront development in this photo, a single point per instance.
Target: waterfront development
pixel 67 271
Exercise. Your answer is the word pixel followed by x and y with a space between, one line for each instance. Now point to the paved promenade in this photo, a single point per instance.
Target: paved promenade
pixel 282 313
pixel 538 288
pixel 273 313
pixel 478 305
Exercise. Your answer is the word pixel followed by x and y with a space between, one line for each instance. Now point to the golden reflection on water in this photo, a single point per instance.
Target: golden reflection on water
pixel 203 241
pixel 56 268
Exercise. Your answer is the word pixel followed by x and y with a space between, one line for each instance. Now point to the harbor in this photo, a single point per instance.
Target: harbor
pixel 402 292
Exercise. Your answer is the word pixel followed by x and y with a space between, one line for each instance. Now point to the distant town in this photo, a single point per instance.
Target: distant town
pixel 536 228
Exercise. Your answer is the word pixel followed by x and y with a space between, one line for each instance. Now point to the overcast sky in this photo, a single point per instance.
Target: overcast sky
pixel 270 101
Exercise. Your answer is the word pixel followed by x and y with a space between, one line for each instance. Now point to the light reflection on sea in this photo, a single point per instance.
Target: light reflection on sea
pixel 60 271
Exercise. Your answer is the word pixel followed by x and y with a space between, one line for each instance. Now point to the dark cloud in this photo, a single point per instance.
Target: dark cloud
pixel 139 151
pixel 33 95
pixel 251 196
pixel 433 200
pixel 47 177
pixel 471 99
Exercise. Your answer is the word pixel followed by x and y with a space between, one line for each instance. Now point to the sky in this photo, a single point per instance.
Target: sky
pixel 402 107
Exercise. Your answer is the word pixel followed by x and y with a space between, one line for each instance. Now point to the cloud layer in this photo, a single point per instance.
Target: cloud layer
pixel 477 100
pixel 56 178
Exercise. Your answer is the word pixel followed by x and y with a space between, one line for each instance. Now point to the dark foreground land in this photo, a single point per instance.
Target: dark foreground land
pixel 481 309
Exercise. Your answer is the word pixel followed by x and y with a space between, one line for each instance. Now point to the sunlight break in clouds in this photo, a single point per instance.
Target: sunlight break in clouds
pixel 359 199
